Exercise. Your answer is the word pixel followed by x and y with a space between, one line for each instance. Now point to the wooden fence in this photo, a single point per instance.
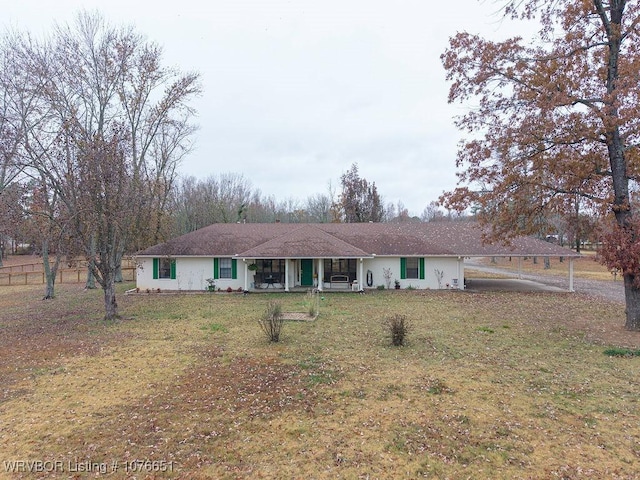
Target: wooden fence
pixel 33 274
pixel 63 276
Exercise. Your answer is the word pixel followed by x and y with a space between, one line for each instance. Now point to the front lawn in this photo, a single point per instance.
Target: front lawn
pixel 488 385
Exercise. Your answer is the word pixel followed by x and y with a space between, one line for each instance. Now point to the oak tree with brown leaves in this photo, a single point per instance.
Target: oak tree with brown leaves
pixel 557 118
pixel 359 200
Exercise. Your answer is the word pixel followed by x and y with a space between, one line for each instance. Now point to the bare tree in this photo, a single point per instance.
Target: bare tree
pixel 318 208
pixel 112 126
pixel 12 216
pixel 14 103
pixel 432 212
pixel 217 199
pixel 45 223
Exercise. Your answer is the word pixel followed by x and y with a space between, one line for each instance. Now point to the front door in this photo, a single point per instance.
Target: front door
pixel 306 272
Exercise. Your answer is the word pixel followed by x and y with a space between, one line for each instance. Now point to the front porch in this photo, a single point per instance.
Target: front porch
pixel 301 274
pixel 299 289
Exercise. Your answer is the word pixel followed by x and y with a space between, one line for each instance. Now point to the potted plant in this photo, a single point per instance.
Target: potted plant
pixel 252 267
pixel 397 284
pixel 211 284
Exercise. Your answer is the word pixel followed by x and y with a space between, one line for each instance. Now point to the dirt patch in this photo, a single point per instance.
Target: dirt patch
pixel 298 317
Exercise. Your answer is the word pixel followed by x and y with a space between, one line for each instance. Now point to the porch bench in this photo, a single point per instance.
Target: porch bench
pixel 339 280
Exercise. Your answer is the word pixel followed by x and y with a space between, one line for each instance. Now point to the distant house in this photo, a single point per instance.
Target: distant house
pixel 354 256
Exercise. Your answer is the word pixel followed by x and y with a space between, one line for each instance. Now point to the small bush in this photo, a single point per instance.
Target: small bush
pixel 380 287
pixel 271 321
pixel 313 303
pixel 398 327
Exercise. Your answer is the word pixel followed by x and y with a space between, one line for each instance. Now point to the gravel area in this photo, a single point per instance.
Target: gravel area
pixel 609 290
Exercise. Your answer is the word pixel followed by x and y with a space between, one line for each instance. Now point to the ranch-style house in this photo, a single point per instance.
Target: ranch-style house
pixel 327 256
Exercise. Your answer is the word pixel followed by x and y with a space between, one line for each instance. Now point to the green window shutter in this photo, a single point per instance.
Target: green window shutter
pixel 216 269
pixel 234 268
pixel 156 268
pixel 421 266
pixel 173 269
pixel 403 268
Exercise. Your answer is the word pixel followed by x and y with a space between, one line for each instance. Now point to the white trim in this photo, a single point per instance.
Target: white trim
pixel 571 289
pixel 286 274
pixel 320 282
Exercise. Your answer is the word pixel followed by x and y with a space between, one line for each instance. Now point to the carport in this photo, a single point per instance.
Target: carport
pixel 468 243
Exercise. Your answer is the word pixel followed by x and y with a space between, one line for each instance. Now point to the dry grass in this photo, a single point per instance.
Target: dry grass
pixel 586 267
pixel 489 385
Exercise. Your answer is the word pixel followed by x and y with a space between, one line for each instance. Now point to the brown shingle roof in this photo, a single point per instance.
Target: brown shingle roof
pixel 330 240
pixel 305 241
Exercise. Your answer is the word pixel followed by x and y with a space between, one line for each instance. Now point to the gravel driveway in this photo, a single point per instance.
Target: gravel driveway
pixel 609 290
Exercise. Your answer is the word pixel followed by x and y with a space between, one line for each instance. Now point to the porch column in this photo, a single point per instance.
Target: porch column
pixel 246 275
pixel 571 275
pixel 520 268
pixel 320 274
pixel 286 275
pixel 361 276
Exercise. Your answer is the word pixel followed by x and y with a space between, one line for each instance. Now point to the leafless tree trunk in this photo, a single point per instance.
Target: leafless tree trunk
pixel 90 283
pixel 111 126
pixel 50 271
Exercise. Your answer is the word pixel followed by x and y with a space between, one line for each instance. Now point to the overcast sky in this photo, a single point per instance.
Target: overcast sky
pixel 296 91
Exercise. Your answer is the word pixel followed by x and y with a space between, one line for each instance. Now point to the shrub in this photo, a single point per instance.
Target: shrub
pixel 313 303
pixel 386 274
pixel 271 321
pixel 398 327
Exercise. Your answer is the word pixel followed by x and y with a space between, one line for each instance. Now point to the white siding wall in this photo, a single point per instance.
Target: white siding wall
pixel 452 268
pixel 192 273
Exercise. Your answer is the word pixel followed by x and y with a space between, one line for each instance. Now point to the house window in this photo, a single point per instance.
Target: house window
pixel 340 266
pixel 225 268
pixel 164 268
pixel 412 267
